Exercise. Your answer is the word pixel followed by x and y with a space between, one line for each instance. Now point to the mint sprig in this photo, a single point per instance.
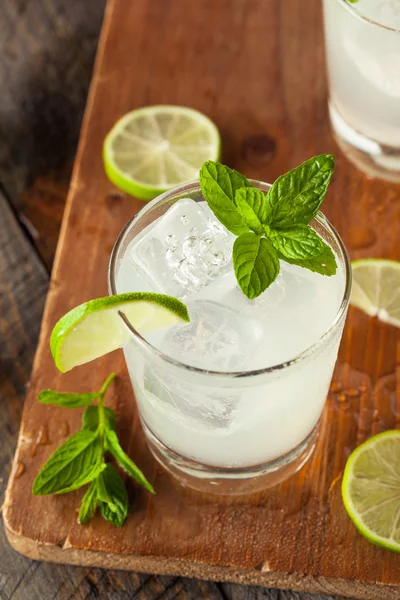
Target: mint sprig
pixel 82 459
pixel 273 226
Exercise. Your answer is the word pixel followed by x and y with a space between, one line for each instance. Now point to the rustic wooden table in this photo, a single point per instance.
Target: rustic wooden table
pixel 47 50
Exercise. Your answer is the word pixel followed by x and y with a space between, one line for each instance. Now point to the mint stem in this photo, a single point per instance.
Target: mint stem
pixel 102 419
pixel 106 384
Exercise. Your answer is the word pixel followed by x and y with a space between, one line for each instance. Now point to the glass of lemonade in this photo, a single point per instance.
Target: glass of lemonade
pixel 230 402
pixel 363 59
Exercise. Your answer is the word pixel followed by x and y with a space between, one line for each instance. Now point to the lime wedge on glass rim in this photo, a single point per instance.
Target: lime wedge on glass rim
pixel 151 150
pixel 95 328
pixel 376 288
pixel 371 489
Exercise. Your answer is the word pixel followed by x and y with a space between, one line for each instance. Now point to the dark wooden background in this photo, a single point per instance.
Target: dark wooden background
pixel 47 48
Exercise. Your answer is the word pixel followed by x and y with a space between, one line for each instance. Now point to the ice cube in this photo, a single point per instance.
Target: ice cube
pixel 217 338
pixel 184 250
pixel 182 402
pixel 279 311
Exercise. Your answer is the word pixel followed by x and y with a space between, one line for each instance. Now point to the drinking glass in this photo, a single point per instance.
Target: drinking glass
pixel 225 432
pixel 363 59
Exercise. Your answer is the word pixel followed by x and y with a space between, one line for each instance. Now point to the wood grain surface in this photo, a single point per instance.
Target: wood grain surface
pixel 35 177
pixel 257 69
pixel 47 52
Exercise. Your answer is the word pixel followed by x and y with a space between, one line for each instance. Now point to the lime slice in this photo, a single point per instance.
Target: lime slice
pixel 376 288
pixel 95 328
pixel 151 150
pixel 371 489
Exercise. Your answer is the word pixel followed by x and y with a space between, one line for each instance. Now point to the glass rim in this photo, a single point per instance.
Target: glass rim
pixel 351 7
pixel 309 351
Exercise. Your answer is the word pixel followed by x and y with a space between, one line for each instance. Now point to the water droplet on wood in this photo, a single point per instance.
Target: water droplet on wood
pixel 64 429
pixel 336 387
pixel 20 469
pixel 43 436
pixel 42 439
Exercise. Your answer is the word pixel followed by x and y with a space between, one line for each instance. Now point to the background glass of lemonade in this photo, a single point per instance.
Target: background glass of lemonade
pixel 230 402
pixel 363 60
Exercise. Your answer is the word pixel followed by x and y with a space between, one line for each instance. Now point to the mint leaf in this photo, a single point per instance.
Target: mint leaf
pixel 219 184
pixel 72 465
pixel 324 263
pixel 255 262
pixel 90 418
pixel 125 462
pixel 103 494
pixel 299 242
pixel 116 509
pixel 296 196
pixel 89 504
pixel 254 208
pixel 66 399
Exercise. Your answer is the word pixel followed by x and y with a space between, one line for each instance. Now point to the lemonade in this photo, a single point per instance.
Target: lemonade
pixel 363 58
pixel 242 386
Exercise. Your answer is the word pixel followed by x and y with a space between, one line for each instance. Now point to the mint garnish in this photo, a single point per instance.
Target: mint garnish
pixel 296 196
pixel 112 496
pixel 271 226
pixel 113 446
pixel 219 185
pixel 251 204
pixel 255 262
pixel 81 460
pixel 66 399
pixel 74 464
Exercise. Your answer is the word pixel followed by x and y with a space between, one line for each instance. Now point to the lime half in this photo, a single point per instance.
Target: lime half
pixel 153 149
pixel 376 288
pixel 95 328
pixel 371 489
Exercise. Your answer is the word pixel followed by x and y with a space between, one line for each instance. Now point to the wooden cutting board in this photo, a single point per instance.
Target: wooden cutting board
pixel 256 67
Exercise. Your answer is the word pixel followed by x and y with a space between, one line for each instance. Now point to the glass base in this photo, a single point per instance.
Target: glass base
pixel 224 481
pixel 371 157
